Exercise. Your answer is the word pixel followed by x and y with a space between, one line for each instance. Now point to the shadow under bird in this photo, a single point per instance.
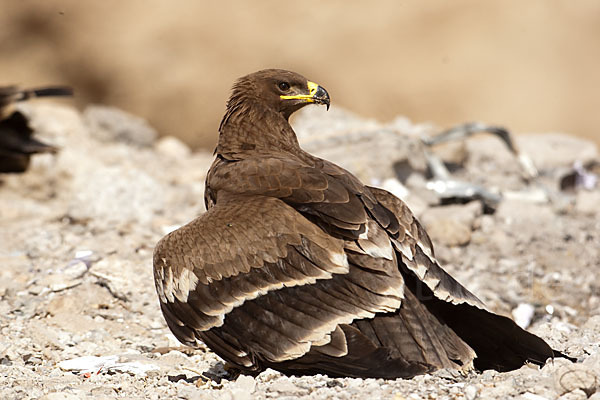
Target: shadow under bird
pixel 17 143
pixel 300 267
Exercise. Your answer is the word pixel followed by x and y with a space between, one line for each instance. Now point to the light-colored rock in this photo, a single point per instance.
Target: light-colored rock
pixel 245 383
pixel 112 124
pixel 575 377
pixel 172 147
pixel 517 212
pixel 452 152
pixel 108 194
pixel 471 392
pixel 523 314
pixel 551 150
pixel 451 225
pixel 285 387
pixel 588 202
pixel 531 396
pixel 59 396
pixel 576 394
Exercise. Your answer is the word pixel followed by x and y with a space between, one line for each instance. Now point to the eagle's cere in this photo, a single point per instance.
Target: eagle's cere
pixel 300 267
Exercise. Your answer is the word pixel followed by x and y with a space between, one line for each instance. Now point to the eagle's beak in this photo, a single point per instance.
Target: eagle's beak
pixel 317 94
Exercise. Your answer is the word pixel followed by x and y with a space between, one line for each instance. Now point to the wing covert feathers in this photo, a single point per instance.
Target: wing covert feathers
pixel 281 280
pixel 417 254
pixel 231 240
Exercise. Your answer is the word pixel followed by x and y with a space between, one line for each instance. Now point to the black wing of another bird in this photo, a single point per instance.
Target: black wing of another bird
pixel 12 94
pixel 17 143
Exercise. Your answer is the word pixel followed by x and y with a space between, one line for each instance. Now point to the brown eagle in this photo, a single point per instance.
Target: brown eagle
pixel 300 267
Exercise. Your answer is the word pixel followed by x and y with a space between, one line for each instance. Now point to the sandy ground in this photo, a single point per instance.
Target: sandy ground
pixel 79 317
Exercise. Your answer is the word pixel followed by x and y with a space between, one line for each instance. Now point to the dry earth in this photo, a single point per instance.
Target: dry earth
pixel 78 230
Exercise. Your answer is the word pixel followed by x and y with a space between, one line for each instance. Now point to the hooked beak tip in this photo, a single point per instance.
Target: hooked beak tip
pixel 322 97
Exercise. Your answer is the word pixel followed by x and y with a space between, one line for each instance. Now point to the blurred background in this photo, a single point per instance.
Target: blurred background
pixel 531 66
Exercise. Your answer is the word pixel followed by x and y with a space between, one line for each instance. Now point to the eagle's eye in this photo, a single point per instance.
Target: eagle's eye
pixel 284 86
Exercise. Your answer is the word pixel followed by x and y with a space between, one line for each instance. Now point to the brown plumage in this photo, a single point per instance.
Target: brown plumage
pixel 17 143
pixel 299 267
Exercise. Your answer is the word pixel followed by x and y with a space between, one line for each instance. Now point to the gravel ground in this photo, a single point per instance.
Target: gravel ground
pixel 79 317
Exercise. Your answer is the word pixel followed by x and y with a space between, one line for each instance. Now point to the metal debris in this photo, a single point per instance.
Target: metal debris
pixel 453 190
pixel 469 129
pixel 582 176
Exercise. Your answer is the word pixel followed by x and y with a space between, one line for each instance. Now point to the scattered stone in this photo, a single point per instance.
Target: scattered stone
pixel 453 153
pixel 63 278
pixel 521 213
pixel 284 386
pixel 532 396
pixel 588 202
pixel 112 274
pixel 451 225
pixel 31 359
pixel 577 377
pixel 471 392
pixel 268 375
pixel 245 383
pixel 243 388
pixel 112 124
pixel 59 396
pixel 535 195
pixel 576 394
pixel 110 195
pixel 523 314
pixel 172 147
pixel 552 150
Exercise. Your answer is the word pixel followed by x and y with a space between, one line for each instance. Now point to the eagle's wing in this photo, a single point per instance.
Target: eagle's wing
pixel 417 255
pixel 497 340
pixel 261 284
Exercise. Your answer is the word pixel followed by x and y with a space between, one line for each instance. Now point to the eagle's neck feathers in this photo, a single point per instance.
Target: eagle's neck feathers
pixel 250 127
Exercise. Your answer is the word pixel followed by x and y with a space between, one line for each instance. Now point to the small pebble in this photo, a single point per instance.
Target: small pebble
pixel 471 392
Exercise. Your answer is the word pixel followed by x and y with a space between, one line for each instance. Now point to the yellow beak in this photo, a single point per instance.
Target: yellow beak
pixel 316 94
